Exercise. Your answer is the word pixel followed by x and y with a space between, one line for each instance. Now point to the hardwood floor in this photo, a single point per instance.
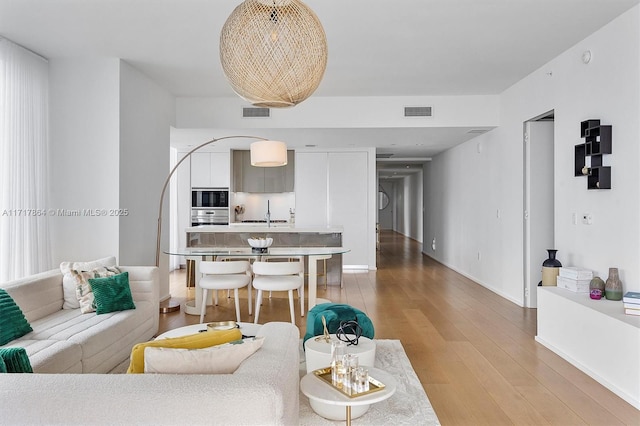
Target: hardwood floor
pixel 473 351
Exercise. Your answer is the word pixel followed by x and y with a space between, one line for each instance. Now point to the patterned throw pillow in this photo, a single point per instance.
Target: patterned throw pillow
pixel 69 282
pixel 13 324
pixel 112 294
pixel 83 288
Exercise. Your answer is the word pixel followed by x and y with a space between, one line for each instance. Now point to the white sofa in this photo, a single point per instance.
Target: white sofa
pixel 68 341
pixel 262 391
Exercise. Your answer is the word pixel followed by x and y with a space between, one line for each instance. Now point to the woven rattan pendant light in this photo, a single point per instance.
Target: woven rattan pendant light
pixel 273 52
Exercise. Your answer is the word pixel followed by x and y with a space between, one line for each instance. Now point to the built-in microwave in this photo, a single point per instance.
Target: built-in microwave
pixel 208 198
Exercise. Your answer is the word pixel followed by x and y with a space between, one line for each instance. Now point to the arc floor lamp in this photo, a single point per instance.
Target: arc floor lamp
pixel 264 153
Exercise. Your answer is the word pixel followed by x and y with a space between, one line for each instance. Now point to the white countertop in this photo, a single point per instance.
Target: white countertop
pixel 262 228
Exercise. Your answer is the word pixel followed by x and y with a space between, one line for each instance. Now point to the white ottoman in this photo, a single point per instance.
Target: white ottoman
pixel 318 355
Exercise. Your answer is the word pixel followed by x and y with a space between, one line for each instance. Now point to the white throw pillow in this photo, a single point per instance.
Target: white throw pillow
pixel 220 359
pixel 69 281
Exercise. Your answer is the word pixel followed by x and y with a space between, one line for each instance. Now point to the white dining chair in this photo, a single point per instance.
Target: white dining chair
pixel 225 275
pixel 249 259
pixel 279 276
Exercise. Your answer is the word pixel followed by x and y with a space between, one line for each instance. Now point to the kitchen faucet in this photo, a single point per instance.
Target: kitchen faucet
pixel 268 216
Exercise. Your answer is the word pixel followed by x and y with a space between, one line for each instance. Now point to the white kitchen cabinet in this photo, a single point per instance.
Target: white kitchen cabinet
pixel 220 169
pixel 311 188
pixel 200 169
pixel 210 169
pixel 348 202
pixel 334 189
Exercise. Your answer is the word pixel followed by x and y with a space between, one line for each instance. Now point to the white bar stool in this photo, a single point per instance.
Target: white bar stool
pixel 279 276
pixel 225 276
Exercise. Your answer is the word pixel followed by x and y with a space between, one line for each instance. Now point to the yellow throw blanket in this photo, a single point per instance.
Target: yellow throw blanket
pixel 192 341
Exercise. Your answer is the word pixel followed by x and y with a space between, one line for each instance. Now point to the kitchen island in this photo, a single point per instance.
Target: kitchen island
pixel 283 234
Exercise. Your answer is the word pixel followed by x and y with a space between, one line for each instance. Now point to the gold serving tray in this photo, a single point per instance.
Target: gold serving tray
pixel 324 374
pixel 222 325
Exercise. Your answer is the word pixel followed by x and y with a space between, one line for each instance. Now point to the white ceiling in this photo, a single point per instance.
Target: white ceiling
pixel 376 48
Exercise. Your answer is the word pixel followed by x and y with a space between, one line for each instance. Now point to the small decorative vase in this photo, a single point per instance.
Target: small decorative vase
pixel 613 286
pixel 596 288
pixel 551 268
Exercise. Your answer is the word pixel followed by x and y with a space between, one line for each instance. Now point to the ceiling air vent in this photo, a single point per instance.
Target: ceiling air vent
pixel 417 111
pixel 253 112
pixel 477 131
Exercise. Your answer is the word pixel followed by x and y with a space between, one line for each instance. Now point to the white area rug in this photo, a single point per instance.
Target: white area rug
pixel 409 405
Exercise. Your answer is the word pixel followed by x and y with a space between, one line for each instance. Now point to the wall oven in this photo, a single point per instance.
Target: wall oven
pixel 209 206
pixel 217 216
pixel 207 198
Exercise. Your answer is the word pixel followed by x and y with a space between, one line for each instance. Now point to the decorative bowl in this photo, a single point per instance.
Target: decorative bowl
pixel 260 242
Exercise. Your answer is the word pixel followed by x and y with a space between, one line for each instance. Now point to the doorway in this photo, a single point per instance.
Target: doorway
pixel 386 191
pixel 539 222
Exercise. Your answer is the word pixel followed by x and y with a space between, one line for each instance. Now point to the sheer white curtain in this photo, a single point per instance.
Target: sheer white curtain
pixel 24 159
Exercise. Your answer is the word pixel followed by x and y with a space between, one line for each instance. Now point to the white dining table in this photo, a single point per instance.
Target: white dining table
pixel 312 254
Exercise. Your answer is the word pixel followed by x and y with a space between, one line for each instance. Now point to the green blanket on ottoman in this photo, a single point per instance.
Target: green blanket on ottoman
pixel 334 314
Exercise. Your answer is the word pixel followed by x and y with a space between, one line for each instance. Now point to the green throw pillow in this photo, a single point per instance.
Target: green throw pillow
pixel 15 360
pixel 112 294
pixel 14 324
pixel 3 366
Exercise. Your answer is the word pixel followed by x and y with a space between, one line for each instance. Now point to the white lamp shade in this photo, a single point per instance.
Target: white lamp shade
pixel 268 154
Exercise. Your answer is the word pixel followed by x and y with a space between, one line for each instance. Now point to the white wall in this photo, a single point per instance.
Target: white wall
pixel 341 112
pixel 405 207
pixel 146 114
pixel 110 150
pixel 465 186
pixel 412 214
pixel 84 114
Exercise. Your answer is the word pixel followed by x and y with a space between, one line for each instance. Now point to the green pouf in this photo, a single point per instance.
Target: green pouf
pixel 334 314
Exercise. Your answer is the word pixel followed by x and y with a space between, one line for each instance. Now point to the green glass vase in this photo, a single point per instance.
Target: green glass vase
pixel 613 286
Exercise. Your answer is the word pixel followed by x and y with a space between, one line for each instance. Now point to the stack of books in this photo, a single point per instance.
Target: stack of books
pixel 575 279
pixel 631 302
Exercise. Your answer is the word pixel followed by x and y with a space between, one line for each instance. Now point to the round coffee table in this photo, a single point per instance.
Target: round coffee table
pixel 319 391
pixel 247 329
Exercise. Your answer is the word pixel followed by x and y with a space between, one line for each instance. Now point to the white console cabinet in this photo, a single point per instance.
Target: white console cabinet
pixel 593 335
